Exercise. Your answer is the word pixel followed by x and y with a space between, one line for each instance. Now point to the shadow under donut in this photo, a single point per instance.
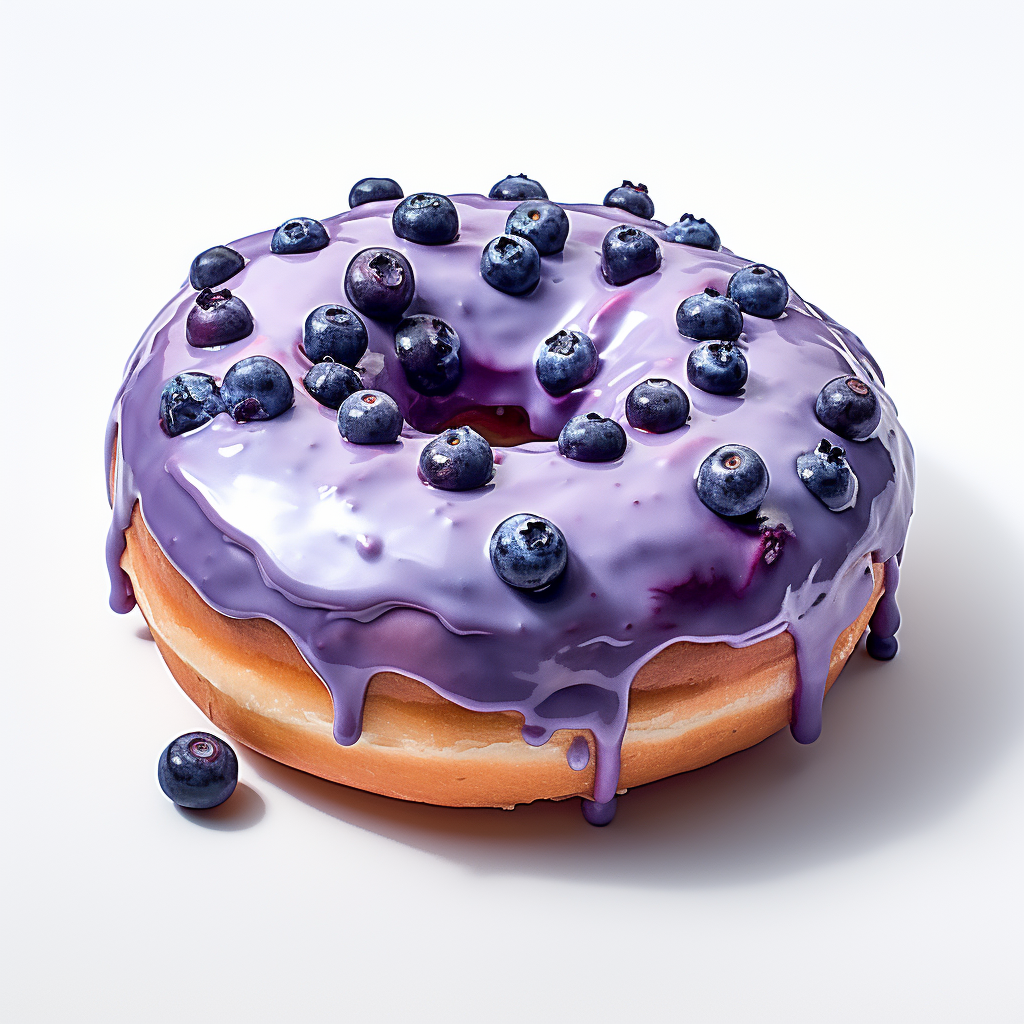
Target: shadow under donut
pixel 904 743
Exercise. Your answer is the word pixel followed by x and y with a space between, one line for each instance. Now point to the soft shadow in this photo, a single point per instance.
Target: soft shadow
pixel 143 633
pixel 905 743
pixel 243 809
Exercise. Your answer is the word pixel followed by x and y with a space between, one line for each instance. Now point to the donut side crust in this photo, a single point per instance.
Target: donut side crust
pixel 690 705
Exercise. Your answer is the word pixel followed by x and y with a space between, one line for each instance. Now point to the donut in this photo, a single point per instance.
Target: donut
pixel 476 501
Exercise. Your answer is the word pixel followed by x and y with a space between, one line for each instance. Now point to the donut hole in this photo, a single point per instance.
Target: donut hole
pixel 503 426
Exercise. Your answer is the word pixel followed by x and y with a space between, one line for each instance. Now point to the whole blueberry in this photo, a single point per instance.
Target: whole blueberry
pixel 457 460
pixel 632 198
pixel 528 552
pixel 257 388
pixel 709 316
pixel 717 367
pixel 695 231
pixel 197 770
pixel 374 190
pixel 217 318
pixel 657 405
pixel 732 481
pixel 827 475
pixel 426 218
pixel 428 351
pixel 541 222
pixel 628 253
pixel 849 406
pixel 331 383
pixel 380 283
pixel 510 264
pixel 188 401
pixel 336 332
pixel 759 291
pixel 566 361
pixel 214 266
pixel 592 438
pixel 300 234
pixel 369 417
pixel 517 186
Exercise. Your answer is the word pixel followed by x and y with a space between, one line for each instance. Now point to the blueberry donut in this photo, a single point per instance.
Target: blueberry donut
pixel 478 501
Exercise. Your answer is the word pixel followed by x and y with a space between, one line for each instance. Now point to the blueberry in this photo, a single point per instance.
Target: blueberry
pixel 628 253
pixel 695 231
pixel 373 190
pixel 331 383
pixel 426 218
pixel 214 267
pixel 300 234
pixel 517 186
pixel 709 316
pixel 828 476
pixel 457 460
pixel 759 291
pixel 541 222
pixel 380 283
pixel 257 388
pixel 510 264
pixel 428 351
pixel 198 770
pixel 369 417
pixel 657 405
pixel 528 552
pixel 732 481
pixel 850 407
pixel 592 438
pixel 188 401
pixel 566 361
pixel 717 367
pixel 217 318
pixel 632 198
pixel 335 332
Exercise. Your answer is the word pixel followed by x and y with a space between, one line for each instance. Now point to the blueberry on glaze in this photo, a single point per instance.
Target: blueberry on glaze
pixel 214 266
pixel 334 332
pixel 510 264
pixel 827 475
pixel 428 351
pixel 759 291
pixel 709 316
pixel 369 417
pixel 373 190
pixel 592 438
pixel 380 283
pixel 849 406
pixel 426 218
pixel 695 231
pixel 188 401
pixel 632 198
pixel 543 223
pixel 657 406
pixel 717 367
pixel 457 460
pixel 257 388
pixel 217 318
pixel 732 481
pixel 300 234
pixel 528 552
pixel 566 361
pixel 198 770
pixel 628 253
pixel 331 383
pixel 517 186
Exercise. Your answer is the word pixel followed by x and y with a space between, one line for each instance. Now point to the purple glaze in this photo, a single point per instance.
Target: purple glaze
pixel 369 570
pixel 578 754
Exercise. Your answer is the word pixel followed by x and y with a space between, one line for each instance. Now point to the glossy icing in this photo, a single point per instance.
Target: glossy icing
pixel 369 569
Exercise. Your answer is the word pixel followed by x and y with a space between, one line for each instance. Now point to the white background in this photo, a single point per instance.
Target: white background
pixel 870 151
